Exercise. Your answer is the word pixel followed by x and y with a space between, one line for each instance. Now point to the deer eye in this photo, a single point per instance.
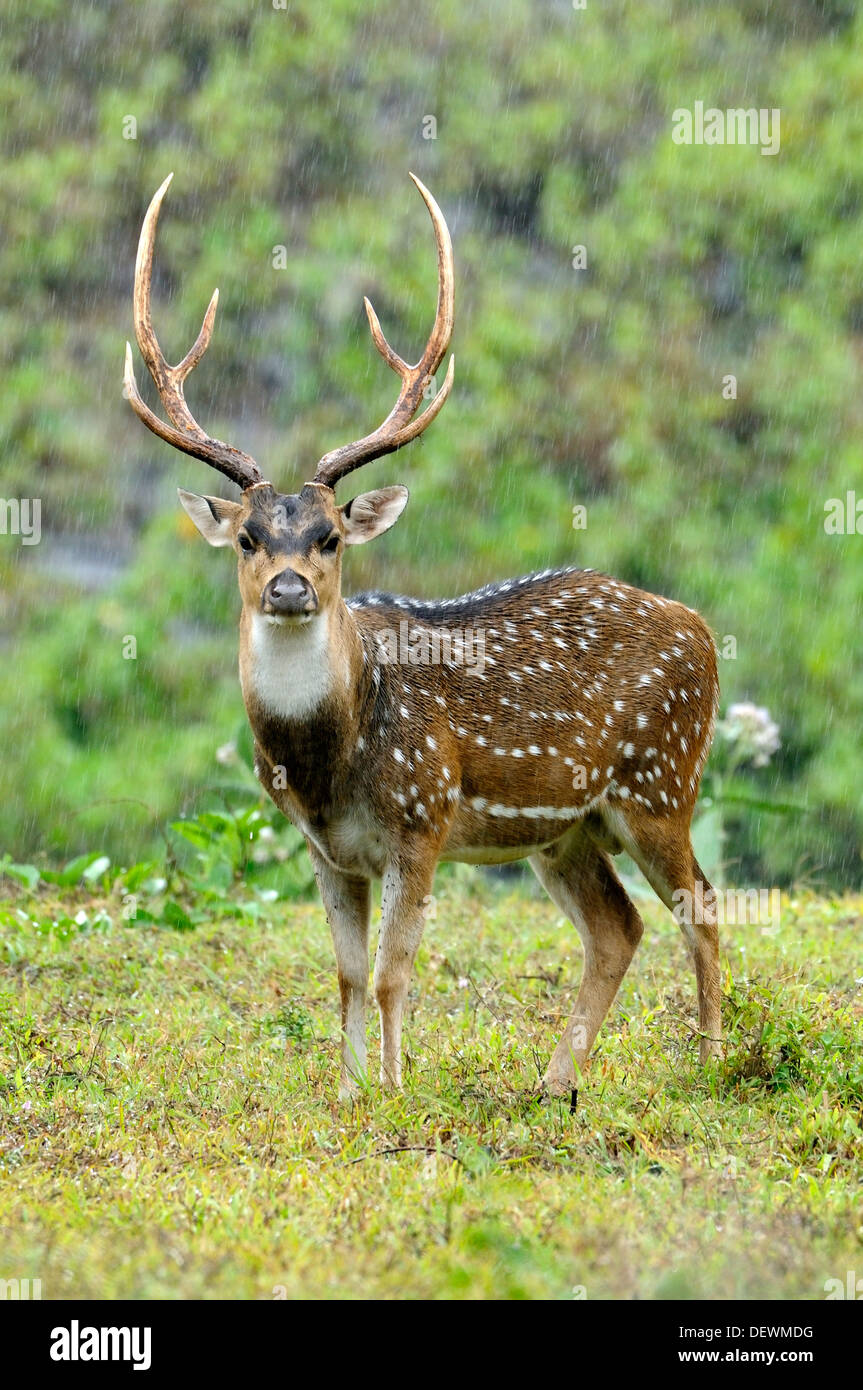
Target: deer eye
pixel 330 546
pixel 245 543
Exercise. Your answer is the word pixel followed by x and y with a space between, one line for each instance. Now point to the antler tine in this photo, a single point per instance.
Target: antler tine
pixel 184 433
pixel 400 427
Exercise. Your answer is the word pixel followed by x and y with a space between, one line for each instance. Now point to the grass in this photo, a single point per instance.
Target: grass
pixel 169 1126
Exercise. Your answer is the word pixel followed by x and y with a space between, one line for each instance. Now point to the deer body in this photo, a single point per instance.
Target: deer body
pixel 580 731
pixel 489 765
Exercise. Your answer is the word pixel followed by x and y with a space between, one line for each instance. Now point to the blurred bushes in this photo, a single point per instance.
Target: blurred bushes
pixel 601 386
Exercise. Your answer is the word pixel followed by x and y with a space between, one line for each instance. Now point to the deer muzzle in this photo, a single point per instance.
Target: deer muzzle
pixel 289 595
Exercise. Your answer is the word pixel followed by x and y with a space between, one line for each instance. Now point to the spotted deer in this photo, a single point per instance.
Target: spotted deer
pixel 393 737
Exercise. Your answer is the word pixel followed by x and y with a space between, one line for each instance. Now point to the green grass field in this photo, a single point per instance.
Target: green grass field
pixel 169 1126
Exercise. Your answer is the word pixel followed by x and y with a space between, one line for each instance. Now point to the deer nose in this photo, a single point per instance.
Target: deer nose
pixel 289 593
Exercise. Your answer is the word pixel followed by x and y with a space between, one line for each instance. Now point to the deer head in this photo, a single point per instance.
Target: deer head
pixel 289 546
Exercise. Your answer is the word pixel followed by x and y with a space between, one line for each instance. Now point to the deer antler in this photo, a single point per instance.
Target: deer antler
pixel 185 433
pixel 400 427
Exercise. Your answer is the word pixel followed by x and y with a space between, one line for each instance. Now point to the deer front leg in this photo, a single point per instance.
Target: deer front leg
pixel 347 903
pixel 406 889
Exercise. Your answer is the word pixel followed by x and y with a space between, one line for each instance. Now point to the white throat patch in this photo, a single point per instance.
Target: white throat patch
pixel 290 665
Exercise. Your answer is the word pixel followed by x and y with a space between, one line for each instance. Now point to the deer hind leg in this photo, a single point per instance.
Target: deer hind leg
pixel 662 849
pixel 579 877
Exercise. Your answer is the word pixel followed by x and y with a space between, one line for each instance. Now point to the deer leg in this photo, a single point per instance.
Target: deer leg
pixel 406 889
pixel 347 903
pixel 705 953
pixel 662 850
pixel 580 879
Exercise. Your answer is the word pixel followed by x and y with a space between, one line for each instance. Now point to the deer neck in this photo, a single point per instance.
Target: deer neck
pixel 299 678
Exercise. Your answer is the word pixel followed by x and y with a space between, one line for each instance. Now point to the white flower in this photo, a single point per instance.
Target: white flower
pixel 226 754
pixel 750 728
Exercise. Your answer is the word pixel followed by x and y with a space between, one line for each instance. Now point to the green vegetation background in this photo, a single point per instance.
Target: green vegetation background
pixel 296 127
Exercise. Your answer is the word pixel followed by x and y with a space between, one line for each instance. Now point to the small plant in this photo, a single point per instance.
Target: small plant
pixel 292 1023
pixel 749 735
pixel 246 841
pixel 744 743
pixel 229 860
pixel 769 1042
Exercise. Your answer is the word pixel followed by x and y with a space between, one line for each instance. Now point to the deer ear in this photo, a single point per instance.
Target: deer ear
pixel 213 516
pixel 372 513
